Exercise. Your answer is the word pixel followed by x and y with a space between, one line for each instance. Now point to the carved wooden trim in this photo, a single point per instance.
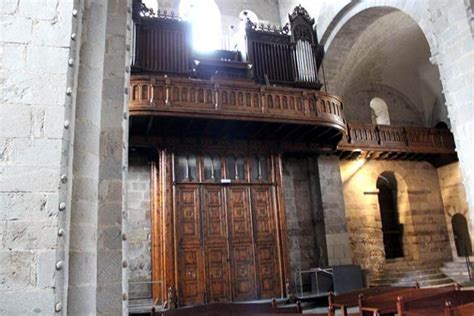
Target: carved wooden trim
pixel 156 235
pixel 235 100
pixel 391 138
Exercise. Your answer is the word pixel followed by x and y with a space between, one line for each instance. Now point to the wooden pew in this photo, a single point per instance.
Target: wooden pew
pixel 461 310
pixel 234 309
pixel 344 301
pixel 387 303
pixel 434 305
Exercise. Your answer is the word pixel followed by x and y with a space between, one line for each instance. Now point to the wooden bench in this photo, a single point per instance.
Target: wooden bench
pixel 384 304
pixel 235 309
pixel 461 310
pixel 351 299
pixel 434 305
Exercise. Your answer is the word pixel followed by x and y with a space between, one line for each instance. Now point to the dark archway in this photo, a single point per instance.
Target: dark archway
pixel 461 235
pixel 391 227
pixel 441 125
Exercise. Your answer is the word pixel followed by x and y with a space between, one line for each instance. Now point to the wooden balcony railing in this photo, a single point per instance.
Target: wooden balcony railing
pixel 396 142
pixel 234 100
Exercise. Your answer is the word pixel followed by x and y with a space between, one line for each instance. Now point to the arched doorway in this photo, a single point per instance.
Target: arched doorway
pixel 391 228
pixel 462 239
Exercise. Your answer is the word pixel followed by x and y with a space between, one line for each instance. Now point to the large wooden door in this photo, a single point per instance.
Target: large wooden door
pixel 215 244
pixel 265 241
pixel 226 237
pixel 241 243
pixel 190 264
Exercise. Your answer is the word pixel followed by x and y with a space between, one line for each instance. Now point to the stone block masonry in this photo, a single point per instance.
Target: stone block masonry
pixel 454 199
pixel 34 52
pixel 420 210
pixel 337 235
pixel 304 215
pixel 139 228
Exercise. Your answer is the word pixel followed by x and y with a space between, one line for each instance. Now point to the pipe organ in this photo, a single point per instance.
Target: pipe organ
pixel 287 56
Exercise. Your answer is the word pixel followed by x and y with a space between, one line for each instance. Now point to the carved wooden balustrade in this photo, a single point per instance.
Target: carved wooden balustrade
pixel 396 142
pixel 219 99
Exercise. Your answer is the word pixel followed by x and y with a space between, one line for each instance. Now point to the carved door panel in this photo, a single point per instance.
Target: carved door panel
pixel 215 244
pixel 241 243
pixel 190 262
pixel 265 241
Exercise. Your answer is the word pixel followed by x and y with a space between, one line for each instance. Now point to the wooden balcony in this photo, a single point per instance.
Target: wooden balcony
pixel 240 108
pixel 397 143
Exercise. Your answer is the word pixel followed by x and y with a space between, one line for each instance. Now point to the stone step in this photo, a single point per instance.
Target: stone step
pixel 427 283
pixel 456 271
pixel 408 273
pixel 409 278
pixel 415 272
pixel 410 268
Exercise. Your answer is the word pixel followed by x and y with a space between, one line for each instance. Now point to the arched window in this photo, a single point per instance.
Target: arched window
pixel 248 14
pixel 151 4
pixel 391 228
pixel 380 114
pixel 205 17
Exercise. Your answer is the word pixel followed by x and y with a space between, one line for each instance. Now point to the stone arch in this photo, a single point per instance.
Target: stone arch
pixel 443 38
pixel 371 10
pixel 359 51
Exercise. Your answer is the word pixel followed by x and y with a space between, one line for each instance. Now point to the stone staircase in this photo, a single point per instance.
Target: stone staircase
pixel 457 270
pixel 403 273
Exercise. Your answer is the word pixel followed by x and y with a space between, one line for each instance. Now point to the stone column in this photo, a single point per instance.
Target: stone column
pixel 112 263
pixel 451 23
pixel 97 274
pixel 83 267
pixel 332 198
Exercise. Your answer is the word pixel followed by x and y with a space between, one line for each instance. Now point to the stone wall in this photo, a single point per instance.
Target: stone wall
pixel 337 236
pixel 420 209
pixel 454 198
pixel 315 216
pixel 304 215
pixel 400 108
pixel 34 154
pixel 139 227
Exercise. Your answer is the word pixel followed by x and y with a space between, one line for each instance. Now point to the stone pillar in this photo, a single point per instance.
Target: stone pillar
pixel 83 267
pixel 450 21
pixel 332 198
pixel 112 262
pixel 97 274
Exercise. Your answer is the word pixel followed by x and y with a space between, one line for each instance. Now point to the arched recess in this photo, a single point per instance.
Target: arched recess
pixel 385 46
pixel 462 239
pixel 388 204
